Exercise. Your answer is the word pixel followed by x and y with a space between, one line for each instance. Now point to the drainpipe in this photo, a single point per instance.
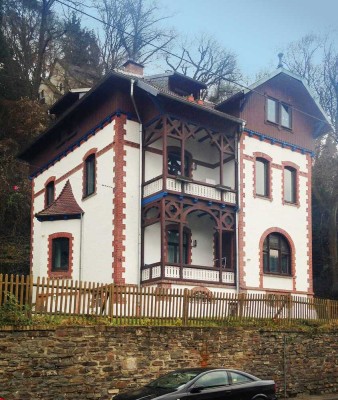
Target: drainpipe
pixel 132 83
pixel 80 250
pixel 237 139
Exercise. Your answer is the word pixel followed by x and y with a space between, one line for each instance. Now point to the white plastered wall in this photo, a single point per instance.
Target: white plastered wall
pixel 97 219
pixel 262 214
pixel 132 205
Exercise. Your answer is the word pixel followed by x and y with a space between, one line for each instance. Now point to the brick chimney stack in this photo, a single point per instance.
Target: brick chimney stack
pixel 133 67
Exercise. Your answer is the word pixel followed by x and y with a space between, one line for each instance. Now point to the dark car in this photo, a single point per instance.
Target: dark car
pixel 204 384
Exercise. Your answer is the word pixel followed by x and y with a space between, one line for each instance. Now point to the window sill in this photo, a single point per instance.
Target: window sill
pixel 277 275
pixel 89 196
pixel 287 203
pixel 259 196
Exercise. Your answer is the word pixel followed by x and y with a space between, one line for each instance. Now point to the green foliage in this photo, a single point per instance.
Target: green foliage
pixel 11 313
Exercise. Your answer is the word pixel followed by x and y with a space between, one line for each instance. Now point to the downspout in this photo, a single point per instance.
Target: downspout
pixel 81 240
pixel 132 83
pixel 238 163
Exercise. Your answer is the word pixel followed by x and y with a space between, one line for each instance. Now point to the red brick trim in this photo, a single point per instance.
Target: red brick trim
pixel 269 162
pixel 241 218
pixel 90 152
pixel 296 168
pixel 293 255
pixel 309 224
pixel 48 181
pixel 63 274
pixel 119 206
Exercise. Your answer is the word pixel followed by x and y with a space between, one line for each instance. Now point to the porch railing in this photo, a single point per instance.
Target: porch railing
pixel 189 272
pixel 196 189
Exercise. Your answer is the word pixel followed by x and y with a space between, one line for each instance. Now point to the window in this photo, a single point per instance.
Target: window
pixel 89 175
pixel 228 244
pixel 276 255
pixel 290 185
pixel 60 254
pixel 278 113
pixel 175 162
pixel 49 193
pixel 237 378
pixel 212 379
pixel 173 241
pixel 262 177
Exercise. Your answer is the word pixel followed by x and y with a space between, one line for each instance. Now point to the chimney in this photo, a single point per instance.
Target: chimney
pixel 280 64
pixel 133 67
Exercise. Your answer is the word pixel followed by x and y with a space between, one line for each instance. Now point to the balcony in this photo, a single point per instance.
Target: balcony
pixel 192 273
pixel 186 186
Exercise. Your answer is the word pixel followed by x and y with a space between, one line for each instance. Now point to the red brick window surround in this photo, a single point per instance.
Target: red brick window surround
pixel 262 176
pixel 290 184
pixel 60 255
pixel 277 253
pixel 49 191
pixel 89 173
pixel 173 242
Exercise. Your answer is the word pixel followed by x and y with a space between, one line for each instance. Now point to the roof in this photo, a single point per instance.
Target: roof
pixel 141 83
pixel 67 100
pixel 64 206
pixel 271 76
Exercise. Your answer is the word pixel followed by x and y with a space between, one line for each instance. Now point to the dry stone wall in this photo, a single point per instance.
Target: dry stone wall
pixel 97 361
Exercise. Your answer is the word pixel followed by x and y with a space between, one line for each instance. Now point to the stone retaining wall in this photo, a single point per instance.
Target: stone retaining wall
pixel 98 361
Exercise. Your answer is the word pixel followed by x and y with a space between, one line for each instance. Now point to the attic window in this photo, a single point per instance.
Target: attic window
pixel 278 113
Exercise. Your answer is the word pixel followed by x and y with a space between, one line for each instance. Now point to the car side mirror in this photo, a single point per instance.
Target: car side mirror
pixel 196 389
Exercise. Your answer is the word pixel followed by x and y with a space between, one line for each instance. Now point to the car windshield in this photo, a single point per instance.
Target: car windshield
pixel 173 380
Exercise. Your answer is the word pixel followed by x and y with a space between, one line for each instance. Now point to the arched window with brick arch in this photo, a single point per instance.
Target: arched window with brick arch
pixel 276 254
pixel 262 176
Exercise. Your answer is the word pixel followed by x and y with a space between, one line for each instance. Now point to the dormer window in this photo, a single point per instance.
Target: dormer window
pixel 278 113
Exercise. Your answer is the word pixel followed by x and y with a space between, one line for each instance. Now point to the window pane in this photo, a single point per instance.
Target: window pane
pixel 60 255
pixel 216 378
pixel 239 378
pixel 285 264
pixel 50 193
pixel 265 262
pixel 272 110
pixel 274 241
pixel 273 260
pixel 173 246
pixel 262 178
pixel 290 185
pixel 174 163
pixel 90 175
pixel 285 116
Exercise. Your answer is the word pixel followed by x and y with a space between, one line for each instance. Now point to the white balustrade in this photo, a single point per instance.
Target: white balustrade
pixel 200 274
pixel 145 274
pixel 228 277
pixel 229 197
pixel 174 185
pixel 198 190
pixel 172 271
pixel 156 272
pixel 153 187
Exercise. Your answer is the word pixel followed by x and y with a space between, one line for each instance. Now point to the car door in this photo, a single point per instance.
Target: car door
pixel 213 385
pixel 242 387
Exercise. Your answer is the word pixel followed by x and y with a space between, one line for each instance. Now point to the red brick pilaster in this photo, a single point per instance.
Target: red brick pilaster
pixel 119 184
pixel 241 217
pixel 309 223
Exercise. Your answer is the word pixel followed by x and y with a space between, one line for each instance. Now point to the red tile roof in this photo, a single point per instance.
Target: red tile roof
pixel 64 205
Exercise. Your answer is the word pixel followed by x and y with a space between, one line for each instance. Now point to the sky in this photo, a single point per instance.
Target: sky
pixel 255 30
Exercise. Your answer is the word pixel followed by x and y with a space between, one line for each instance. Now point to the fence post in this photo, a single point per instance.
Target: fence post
pixel 241 299
pixel 111 301
pixel 185 306
pixel 329 309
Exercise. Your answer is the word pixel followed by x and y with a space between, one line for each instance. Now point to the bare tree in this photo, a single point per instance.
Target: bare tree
pixel 206 60
pixel 131 31
pixel 315 58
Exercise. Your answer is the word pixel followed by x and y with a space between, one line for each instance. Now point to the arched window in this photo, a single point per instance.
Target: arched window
pixel 175 162
pixel 49 193
pixel 276 255
pixel 173 245
pixel 290 185
pixel 90 175
pixel 262 177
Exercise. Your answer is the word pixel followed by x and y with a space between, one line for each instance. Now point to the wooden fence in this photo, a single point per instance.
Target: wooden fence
pixel 158 306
